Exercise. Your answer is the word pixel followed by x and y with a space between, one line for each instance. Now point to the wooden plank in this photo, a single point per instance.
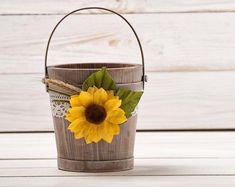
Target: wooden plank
pixel 195 100
pixel 123 6
pixel 30 106
pixel 172 42
pixel 143 167
pixel 148 145
pixel 119 181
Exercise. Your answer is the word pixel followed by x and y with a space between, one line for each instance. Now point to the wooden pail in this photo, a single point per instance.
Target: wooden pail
pixel 75 154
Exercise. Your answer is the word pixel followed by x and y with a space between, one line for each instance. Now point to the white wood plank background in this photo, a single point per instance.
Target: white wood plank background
pixel 162 158
pixel 120 181
pixel 143 167
pixel 195 100
pixel 189 50
pixel 123 6
pixel 171 42
pixel 191 41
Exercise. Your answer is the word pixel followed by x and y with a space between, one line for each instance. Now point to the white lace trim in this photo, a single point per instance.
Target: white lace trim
pixel 59 104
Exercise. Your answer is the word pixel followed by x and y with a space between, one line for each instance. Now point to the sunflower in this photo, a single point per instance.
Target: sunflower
pixel 95 114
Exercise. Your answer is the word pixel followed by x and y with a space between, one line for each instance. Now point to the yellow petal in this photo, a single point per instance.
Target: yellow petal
pixel 89 134
pixel 107 134
pixel 93 135
pixel 117 116
pixel 97 135
pixel 92 90
pixel 100 96
pixel 75 128
pixel 87 129
pixel 116 129
pixel 108 138
pixel 111 95
pixel 85 98
pixel 88 140
pixel 75 125
pixel 74 101
pixel 79 134
pixel 112 104
pixel 75 113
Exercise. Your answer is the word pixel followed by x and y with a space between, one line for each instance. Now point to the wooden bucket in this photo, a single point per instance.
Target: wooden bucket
pixel 75 154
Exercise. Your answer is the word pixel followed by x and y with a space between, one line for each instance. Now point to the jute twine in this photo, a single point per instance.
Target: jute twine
pixel 60 86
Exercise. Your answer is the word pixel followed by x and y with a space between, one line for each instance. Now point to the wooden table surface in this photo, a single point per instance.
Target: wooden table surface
pixel 162 159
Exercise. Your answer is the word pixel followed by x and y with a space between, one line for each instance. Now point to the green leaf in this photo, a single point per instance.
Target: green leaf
pixel 130 99
pixel 100 79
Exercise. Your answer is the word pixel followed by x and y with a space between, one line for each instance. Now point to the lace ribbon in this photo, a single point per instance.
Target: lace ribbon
pixel 59 104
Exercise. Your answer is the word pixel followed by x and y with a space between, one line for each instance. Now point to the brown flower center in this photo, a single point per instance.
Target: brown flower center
pixel 95 114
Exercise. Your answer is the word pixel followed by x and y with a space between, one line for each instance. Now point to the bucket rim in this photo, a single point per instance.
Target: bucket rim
pixel 123 66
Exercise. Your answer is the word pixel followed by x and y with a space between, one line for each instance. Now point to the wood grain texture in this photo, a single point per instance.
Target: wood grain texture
pixel 158 145
pixel 143 167
pixel 180 159
pixel 193 100
pixel 76 74
pixel 171 42
pixel 123 6
pixel 120 181
pixel 77 155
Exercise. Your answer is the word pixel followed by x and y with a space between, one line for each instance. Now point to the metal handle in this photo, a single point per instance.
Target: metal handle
pixel 144 77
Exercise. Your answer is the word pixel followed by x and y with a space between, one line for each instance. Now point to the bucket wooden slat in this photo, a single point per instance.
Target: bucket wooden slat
pixel 76 74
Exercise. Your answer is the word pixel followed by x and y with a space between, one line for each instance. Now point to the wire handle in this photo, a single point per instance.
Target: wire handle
pixel 144 77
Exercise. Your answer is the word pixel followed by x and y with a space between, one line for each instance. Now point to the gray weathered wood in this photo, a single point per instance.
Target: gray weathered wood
pixel 76 74
pixel 77 155
pixel 123 6
pixel 193 100
pixel 171 42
